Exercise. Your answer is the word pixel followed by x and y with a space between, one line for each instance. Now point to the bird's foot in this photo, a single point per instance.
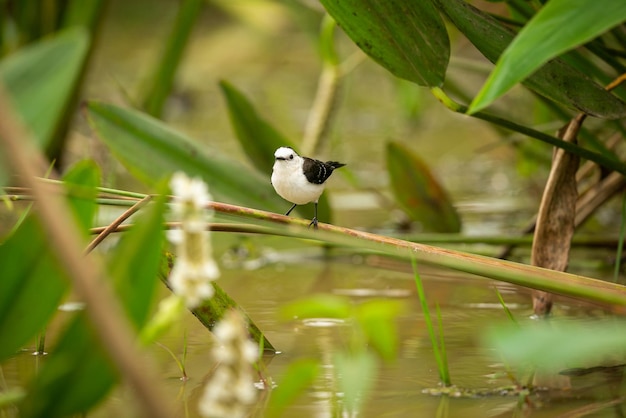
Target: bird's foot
pixel 314 223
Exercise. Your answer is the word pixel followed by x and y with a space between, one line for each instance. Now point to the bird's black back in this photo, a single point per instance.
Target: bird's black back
pixel 317 171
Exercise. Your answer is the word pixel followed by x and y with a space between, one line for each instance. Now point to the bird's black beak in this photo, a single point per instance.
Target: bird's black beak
pixel 281 158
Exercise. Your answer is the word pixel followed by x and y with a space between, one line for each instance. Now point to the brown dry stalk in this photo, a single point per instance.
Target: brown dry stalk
pixel 111 325
pixel 116 223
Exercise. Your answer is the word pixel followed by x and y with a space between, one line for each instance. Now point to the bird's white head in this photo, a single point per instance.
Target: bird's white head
pixel 287 157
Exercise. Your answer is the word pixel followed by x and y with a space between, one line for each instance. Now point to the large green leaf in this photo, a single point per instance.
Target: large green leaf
pixel 408 38
pixel 31 287
pixel 136 262
pixel 41 77
pixel 556 80
pixel 418 192
pixel 259 140
pixel 33 282
pixel 257 137
pixel 559 26
pixel 152 151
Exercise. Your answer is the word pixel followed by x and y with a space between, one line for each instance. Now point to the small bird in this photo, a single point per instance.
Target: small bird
pixel 300 180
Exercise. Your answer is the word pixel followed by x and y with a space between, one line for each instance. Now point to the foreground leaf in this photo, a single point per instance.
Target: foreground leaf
pixel 152 151
pixel 559 25
pixel 418 192
pixel 356 373
pixel 556 80
pixel 408 38
pixel 41 77
pixel 33 282
pixel 299 375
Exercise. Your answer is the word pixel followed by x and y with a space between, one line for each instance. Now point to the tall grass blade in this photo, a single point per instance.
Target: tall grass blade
pixel 441 365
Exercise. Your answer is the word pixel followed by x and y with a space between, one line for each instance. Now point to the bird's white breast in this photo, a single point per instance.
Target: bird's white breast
pixel 291 183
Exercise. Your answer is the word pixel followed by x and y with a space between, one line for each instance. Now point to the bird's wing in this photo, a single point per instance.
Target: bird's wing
pixel 316 171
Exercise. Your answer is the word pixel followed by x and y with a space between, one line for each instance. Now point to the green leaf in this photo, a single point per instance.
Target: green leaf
pixel 318 306
pixel 355 374
pixel 408 38
pixel 74 378
pixel 136 262
pixel 81 182
pixel 556 80
pixel 33 282
pixel 418 192
pixel 559 344
pixel 41 78
pixel 257 137
pixel 152 151
pixel 31 287
pixel 299 375
pixel 559 26
pixel 259 140
pixel 377 319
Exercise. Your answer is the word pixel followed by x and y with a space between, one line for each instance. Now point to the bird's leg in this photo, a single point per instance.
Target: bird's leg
pixel 314 221
pixel 292 208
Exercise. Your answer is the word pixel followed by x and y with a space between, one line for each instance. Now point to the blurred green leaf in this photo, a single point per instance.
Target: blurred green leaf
pixel 33 281
pixel 355 373
pixel 31 287
pixel 377 319
pixel 257 137
pixel 41 78
pixel 74 378
pixel 259 140
pixel 408 38
pixel 164 72
pixel 555 80
pixel 318 306
pixel 559 344
pixel 560 25
pixel 152 151
pixel 417 191
pixel 136 261
pixel 81 182
pixel 299 375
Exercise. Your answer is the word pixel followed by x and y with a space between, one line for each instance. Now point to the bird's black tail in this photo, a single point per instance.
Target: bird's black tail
pixel 334 164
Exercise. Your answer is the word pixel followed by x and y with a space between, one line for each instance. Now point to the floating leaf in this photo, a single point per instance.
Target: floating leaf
pixel 556 80
pixel 408 38
pixel 418 193
pixel 543 39
pixel 152 151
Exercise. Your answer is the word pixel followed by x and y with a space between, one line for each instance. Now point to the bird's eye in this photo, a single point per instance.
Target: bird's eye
pixel 291 156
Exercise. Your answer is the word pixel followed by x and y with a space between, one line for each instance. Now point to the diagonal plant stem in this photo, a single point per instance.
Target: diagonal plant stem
pixel 103 309
pixel 602 160
pixel 116 223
